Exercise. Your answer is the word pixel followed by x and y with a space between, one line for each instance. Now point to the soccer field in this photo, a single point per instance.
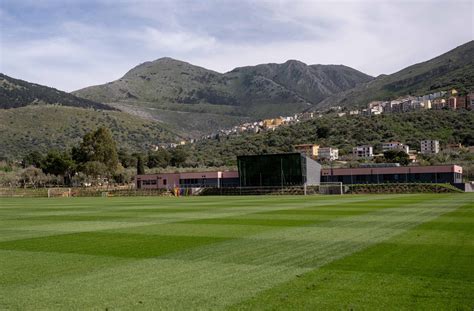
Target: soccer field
pixel 274 252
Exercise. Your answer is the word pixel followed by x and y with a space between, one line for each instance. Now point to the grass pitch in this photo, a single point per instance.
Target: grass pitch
pixel 315 252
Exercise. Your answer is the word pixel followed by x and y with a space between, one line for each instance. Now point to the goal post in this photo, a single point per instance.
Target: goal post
pixel 59 192
pixel 331 188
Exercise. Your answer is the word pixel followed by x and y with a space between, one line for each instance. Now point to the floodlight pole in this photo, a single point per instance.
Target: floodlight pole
pixel 281 174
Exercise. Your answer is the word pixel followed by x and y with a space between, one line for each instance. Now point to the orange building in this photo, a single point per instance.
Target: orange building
pixel 311 150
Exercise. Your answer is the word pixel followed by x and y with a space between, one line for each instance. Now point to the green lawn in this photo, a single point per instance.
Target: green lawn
pixel 374 252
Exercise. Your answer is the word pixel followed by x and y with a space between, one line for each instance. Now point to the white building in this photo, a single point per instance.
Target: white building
pixel 395 145
pixel 328 153
pixel 429 146
pixel 427 104
pixel 363 152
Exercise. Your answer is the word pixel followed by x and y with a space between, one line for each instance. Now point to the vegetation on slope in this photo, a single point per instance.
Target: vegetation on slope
pixel 45 127
pixel 18 93
pixel 454 69
pixel 341 132
pixel 167 89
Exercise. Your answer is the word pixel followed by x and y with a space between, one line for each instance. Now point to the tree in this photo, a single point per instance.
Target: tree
pixel 95 169
pixel 123 176
pixel 160 158
pixel 32 176
pixel 126 159
pixel 323 131
pixel 396 156
pixel 97 146
pixel 34 158
pixel 58 163
pixel 140 165
pixel 178 156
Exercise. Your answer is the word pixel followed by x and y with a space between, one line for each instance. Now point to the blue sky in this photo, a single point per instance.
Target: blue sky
pixel 73 44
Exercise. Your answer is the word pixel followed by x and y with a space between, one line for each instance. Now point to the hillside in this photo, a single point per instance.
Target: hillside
pixel 16 93
pixel 197 100
pixel 341 132
pixel 44 127
pixel 454 69
pixel 313 83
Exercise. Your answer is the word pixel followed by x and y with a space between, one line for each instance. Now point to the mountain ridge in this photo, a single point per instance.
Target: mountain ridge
pixel 167 86
pixel 452 69
pixel 15 93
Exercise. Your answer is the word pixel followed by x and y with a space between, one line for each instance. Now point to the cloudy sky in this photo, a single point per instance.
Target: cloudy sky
pixel 71 44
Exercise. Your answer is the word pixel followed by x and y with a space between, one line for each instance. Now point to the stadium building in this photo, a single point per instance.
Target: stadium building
pixel 278 170
pixel 187 180
pixel 296 169
pixel 396 174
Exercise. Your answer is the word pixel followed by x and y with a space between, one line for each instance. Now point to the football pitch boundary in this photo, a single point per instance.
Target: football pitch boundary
pixel 231 252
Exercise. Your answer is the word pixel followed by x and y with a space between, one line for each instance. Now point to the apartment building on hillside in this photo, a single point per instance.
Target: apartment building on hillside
pixel 429 146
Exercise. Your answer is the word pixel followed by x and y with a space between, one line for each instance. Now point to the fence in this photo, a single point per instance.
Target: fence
pixel 79 192
pixel 402 188
pixel 294 190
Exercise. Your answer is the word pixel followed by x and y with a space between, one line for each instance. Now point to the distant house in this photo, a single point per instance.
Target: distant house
pixel 363 152
pixel 438 103
pixel 470 101
pixel 328 153
pixel 307 116
pixel 461 102
pixel 429 146
pixel 426 104
pixel 272 123
pixel 375 108
pixel 453 102
pixel 311 150
pixel 395 145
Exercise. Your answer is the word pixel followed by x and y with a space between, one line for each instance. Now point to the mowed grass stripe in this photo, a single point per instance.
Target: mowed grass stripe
pixel 110 244
pixel 202 277
pixel 108 207
pixel 419 269
pixel 62 228
pixel 311 246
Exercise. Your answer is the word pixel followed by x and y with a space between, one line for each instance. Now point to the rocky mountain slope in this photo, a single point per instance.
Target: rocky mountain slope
pixel 195 99
pixel 454 69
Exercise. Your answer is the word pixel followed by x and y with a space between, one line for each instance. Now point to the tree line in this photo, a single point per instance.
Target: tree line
pixel 96 160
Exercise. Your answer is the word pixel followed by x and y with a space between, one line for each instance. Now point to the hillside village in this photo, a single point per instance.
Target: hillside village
pixel 434 101
pixel 442 100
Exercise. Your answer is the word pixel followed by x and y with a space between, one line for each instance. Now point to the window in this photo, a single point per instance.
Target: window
pixel 164 182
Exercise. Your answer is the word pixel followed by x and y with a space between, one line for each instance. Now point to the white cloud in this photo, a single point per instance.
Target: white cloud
pixel 177 41
pixel 72 51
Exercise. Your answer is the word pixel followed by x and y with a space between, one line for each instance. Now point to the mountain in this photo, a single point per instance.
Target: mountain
pixel 197 100
pixel 35 117
pixel 45 127
pixel 454 69
pixel 313 83
pixel 16 93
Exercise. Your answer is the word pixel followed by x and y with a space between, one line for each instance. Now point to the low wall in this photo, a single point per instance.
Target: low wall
pixel 80 192
pixel 260 191
pixel 401 188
